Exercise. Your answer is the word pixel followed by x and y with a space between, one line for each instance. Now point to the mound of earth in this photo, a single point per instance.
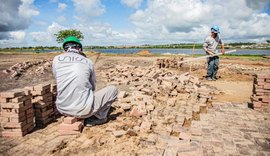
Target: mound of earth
pixel 144 52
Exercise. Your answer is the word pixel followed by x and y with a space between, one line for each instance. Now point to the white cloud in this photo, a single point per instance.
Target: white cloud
pixel 14 38
pixel 103 34
pixel 26 9
pixel 87 9
pixel 61 7
pixel 16 15
pixel 47 37
pixel 132 3
pixel 17 35
pixel 190 20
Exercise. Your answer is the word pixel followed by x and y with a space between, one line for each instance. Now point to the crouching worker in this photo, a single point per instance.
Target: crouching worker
pixel 76 83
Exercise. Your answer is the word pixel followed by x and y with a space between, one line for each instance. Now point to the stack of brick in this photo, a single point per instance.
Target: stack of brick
pixel 43 104
pixel 17 114
pixel 261 92
pixel 169 63
pixel 54 94
pixel 71 125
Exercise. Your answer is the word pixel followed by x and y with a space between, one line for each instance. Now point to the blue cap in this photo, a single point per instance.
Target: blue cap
pixel 215 29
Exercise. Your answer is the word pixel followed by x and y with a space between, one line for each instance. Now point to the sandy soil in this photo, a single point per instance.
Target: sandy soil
pixel 235 75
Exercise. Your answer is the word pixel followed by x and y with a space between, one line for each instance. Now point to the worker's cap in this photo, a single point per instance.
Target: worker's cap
pixel 72 39
pixel 215 29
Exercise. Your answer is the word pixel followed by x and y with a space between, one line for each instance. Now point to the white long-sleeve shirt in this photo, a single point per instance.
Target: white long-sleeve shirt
pixel 211 43
pixel 76 80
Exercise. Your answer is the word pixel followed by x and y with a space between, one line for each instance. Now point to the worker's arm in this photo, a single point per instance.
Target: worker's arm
pixel 222 46
pixel 222 49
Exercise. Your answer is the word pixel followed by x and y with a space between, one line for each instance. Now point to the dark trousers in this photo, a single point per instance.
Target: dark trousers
pixel 212 68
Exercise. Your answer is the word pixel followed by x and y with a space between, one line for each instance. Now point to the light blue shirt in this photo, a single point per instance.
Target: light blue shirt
pixel 76 80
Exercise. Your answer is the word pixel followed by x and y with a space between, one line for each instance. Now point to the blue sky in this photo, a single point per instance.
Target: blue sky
pixel 132 22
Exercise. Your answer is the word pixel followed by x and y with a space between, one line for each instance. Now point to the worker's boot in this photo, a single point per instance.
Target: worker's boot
pixel 92 121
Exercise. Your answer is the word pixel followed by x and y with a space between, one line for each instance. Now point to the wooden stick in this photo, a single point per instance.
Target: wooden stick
pixel 192 57
pixel 203 57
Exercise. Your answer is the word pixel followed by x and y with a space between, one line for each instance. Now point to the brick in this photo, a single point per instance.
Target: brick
pixel 41 104
pixel 21 99
pixel 4 119
pixel 77 126
pixel 45 98
pixel 12 93
pixel 263 76
pixel 257 104
pixel 260 94
pixel 28 127
pixel 145 126
pixel 119 133
pixel 4 100
pixel 122 94
pixel 131 132
pixel 150 107
pixel 135 112
pixel 44 114
pixel 40 92
pixel 12 114
pixel 13 134
pixel 267 86
pixel 70 120
pixel 184 136
pixel 260 83
pixel 170 151
pixel 17 119
pixel 68 132
pixel 125 106
pixel 29 111
pixel 265 99
pixel 14 125
pixel 147 91
pixel 42 86
pixel 258 87
pixel 12 105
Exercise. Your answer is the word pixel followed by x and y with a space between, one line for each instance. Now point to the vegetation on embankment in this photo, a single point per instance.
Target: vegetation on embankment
pixel 91 53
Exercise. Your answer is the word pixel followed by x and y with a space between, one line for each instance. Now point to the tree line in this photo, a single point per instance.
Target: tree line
pixel 62 34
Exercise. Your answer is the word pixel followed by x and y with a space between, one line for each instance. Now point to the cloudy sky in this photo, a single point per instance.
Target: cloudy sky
pixel 132 22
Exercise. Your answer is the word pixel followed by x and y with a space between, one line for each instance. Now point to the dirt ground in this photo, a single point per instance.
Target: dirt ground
pixel 235 81
pixel 235 84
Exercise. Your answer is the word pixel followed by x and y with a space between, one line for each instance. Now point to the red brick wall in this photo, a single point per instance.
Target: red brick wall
pixel 261 92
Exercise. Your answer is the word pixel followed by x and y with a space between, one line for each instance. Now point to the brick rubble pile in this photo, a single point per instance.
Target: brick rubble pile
pixel 18 69
pixel 169 62
pixel 159 105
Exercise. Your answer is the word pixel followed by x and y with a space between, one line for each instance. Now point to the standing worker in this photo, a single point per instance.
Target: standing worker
pixel 76 83
pixel 210 46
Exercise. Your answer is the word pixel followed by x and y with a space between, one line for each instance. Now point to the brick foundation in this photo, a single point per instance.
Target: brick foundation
pixel 261 92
